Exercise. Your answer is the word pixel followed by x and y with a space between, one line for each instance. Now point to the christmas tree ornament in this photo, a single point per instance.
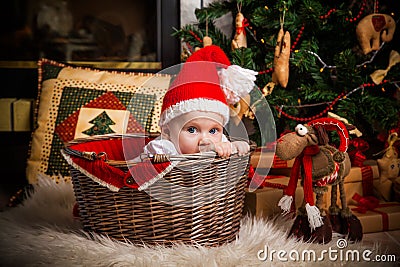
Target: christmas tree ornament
pixel 281 59
pixel 374 29
pixel 240 40
pixel 389 167
pixel 281 56
pixel 353 130
pixel 318 164
pixel 185 51
pixel 297 38
pixel 360 12
pixel 268 88
pixel 378 75
pixel 328 14
pixel 240 109
pixel 207 39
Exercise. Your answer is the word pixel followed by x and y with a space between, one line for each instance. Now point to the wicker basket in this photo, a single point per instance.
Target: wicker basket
pixel 214 189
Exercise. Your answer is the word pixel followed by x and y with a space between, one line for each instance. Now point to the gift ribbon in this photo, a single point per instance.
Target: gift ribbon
pixel 279 163
pixel 261 181
pixel 378 75
pixel 356 155
pixel 241 29
pixel 371 203
pixel 365 203
pixel 367 180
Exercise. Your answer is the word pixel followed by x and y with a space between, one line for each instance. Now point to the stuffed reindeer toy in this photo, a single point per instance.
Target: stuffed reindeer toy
pixel 318 165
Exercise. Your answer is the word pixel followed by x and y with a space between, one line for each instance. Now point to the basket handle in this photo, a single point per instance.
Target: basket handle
pixel 89 155
pixel 157 158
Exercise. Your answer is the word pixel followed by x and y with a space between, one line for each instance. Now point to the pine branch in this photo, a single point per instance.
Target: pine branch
pixel 214 11
pixel 326 60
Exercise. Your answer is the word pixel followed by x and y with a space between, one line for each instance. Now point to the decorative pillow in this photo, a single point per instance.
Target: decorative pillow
pixel 76 102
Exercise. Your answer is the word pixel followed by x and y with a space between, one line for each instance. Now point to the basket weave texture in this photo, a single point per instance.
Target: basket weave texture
pixel 200 201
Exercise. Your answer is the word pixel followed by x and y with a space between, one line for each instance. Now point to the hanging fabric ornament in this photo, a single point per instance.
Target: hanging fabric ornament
pixel 268 88
pixel 389 168
pixel 239 40
pixel 350 127
pixel 281 58
pixel 373 29
pixel 206 39
pixel 378 75
pixel 240 109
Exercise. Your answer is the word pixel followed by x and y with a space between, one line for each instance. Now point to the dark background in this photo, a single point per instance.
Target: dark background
pixel 22 82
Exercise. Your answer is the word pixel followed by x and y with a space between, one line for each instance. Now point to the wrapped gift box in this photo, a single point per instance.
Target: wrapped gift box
pixel 264 202
pixel 361 180
pixel 385 217
pixel 264 159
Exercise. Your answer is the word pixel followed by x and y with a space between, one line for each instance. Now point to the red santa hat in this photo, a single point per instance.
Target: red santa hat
pixel 207 82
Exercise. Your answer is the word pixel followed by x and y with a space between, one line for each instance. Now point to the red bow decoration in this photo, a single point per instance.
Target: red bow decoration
pixel 241 29
pixel 365 203
pixel 356 155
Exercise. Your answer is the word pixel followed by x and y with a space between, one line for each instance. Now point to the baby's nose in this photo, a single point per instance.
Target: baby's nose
pixel 206 145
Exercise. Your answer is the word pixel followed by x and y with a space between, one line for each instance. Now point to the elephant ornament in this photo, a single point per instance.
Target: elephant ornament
pixel 374 29
pixel 318 165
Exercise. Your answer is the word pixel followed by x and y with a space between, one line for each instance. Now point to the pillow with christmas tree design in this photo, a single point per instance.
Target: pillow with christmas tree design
pixel 75 102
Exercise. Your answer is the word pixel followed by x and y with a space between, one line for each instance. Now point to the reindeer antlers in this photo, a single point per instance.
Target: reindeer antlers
pixel 332 124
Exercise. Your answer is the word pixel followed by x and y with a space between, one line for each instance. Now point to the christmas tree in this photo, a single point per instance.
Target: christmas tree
pixel 101 125
pixel 323 68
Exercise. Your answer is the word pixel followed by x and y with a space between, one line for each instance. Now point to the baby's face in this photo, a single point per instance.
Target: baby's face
pixel 188 132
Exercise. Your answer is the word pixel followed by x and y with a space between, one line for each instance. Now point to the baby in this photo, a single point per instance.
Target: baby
pixel 196 108
pixel 194 112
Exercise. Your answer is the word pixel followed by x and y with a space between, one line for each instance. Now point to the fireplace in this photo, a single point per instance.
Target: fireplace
pixel 128 34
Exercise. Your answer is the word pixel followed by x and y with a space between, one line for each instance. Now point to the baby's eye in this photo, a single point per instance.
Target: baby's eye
pixel 191 129
pixel 214 131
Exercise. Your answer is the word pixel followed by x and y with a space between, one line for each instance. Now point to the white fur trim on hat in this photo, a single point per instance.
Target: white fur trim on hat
pixel 197 104
pixel 236 82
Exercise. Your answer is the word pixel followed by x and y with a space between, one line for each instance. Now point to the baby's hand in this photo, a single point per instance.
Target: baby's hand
pixel 241 147
pixel 225 149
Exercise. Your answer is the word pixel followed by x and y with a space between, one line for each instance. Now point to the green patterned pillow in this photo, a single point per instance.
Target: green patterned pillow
pixel 76 102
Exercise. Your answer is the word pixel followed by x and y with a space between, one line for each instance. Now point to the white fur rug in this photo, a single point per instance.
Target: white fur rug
pixel 43 232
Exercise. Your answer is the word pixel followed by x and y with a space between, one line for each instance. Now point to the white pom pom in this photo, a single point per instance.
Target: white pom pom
pixel 285 203
pixel 314 216
pixel 236 82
